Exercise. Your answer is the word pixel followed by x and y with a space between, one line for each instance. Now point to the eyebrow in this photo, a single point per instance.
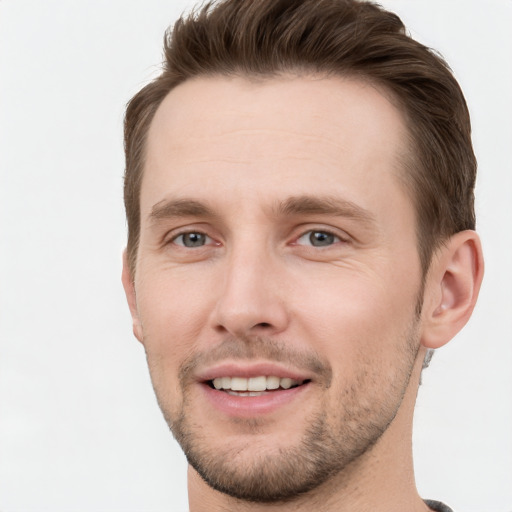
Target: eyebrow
pixel 170 208
pixel 295 205
pixel 324 205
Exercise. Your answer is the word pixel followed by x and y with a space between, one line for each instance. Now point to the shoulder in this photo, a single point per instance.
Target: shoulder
pixel 437 506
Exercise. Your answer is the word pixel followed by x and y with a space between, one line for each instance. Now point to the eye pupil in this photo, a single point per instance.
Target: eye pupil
pixel 193 239
pixel 320 238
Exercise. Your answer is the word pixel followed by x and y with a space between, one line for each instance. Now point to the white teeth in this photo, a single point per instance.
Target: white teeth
pixel 244 393
pixel 273 382
pixel 286 383
pixel 257 384
pixel 239 384
pixel 253 385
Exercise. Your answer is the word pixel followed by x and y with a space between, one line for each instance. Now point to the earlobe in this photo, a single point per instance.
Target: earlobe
pixel 452 288
pixel 129 290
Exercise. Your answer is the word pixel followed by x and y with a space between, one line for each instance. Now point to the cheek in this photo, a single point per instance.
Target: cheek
pixel 173 312
pixel 170 316
pixel 356 313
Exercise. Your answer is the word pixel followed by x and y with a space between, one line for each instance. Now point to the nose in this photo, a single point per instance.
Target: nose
pixel 251 300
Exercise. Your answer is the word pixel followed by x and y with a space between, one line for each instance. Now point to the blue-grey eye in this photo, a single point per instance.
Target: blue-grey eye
pixel 192 239
pixel 318 239
pixel 321 238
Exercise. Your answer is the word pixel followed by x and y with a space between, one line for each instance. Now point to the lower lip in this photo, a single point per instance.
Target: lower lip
pixel 251 406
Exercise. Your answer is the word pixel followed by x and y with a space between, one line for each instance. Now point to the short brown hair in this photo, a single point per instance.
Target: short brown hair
pixel 333 37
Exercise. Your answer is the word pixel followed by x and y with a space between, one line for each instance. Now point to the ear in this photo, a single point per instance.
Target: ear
pixel 452 287
pixel 129 290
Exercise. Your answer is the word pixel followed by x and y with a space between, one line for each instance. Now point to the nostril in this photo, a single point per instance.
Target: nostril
pixel 263 324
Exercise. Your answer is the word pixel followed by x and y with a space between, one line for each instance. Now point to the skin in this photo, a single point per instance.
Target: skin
pixel 243 165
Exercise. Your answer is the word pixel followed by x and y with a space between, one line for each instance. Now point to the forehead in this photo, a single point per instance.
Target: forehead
pixel 279 136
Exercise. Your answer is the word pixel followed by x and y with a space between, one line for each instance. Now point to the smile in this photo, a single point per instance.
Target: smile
pixel 240 389
pixel 253 386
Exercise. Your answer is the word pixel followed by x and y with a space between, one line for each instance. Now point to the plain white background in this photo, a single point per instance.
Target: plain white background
pixel 80 430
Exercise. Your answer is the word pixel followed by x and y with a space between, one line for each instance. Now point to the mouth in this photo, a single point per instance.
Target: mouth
pixel 254 386
pixel 253 389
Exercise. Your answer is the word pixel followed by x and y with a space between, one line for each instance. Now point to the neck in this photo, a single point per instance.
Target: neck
pixel 381 480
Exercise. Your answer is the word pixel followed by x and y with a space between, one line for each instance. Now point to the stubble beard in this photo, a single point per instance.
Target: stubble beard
pixel 332 442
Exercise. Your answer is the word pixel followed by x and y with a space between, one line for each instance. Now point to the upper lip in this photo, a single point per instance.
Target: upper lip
pixel 248 370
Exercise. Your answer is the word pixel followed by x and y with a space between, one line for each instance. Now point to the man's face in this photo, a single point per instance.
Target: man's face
pixel 277 254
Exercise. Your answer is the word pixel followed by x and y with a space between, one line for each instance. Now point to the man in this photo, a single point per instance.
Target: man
pixel 299 194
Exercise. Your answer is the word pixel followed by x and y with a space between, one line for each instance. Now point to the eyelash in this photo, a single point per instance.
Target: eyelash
pixel 173 239
pixel 337 236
